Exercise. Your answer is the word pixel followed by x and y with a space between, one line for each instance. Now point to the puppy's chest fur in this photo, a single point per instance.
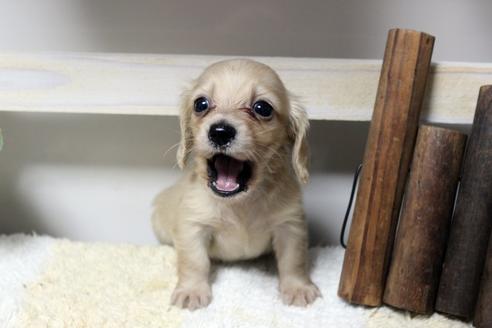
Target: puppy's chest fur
pixel 239 234
pixel 235 230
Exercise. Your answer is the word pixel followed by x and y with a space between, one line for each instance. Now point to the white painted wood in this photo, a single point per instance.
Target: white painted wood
pixel 331 89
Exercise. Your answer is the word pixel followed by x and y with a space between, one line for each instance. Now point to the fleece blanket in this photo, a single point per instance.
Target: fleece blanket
pixel 47 282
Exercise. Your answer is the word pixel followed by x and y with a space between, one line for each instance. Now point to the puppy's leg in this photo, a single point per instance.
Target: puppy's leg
pixel 290 246
pixel 161 229
pixel 193 288
pixel 167 210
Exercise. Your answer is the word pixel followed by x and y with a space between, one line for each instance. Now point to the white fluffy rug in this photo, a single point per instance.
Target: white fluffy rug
pixel 46 282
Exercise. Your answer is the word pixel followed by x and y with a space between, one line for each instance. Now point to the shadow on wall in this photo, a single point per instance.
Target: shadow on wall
pixel 245 28
pixel 122 140
pixel 46 152
pixel 337 147
pixel 60 141
pixel 319 28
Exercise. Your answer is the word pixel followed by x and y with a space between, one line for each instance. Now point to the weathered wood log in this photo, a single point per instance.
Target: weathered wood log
pixel 483 310
pixel 420 242
pixel 472 221
pixel 386 161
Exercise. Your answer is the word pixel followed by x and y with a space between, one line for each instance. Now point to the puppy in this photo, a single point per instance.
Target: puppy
pixel 241 195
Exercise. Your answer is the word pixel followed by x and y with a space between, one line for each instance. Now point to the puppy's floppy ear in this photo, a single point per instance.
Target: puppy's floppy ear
pixel 298 126
pixel 186 142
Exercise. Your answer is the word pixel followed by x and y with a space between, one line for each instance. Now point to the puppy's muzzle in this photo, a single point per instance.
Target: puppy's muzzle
pixel 221 134
pixel 227 175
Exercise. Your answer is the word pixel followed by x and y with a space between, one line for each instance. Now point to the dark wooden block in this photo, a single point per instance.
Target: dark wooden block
pixel 472 221
pixel 483 310
pixel 420 243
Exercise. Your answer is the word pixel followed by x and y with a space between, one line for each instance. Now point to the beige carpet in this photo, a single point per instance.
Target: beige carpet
pixel 103 286
pixel 46 282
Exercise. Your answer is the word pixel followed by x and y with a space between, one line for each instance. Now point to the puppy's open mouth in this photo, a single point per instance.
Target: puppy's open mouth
pixel 227 175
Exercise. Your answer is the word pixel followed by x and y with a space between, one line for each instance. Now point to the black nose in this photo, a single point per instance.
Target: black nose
pixel 221 134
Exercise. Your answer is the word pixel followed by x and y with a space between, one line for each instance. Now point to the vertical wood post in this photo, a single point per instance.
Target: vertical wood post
pixel 483 310
pixel 420 243
pixel 472 221
pixel 386 160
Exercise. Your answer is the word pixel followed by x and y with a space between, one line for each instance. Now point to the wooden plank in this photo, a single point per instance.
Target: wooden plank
pixel 386 161
pixel 420 243
pixel 332 89
pixel 472 219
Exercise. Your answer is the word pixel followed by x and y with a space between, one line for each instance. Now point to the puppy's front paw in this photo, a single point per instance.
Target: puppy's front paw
pixel 192 297
pixel 299 294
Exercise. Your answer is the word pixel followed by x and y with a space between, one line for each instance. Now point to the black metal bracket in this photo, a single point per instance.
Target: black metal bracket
pixel 349 206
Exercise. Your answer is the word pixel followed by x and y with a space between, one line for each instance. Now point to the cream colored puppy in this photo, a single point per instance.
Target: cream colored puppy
pixel 241 195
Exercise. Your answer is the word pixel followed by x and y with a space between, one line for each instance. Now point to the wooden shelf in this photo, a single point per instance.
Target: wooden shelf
pixel 331 89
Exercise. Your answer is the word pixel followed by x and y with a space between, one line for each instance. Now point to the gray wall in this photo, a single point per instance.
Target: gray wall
pixel 92 177
pixel 310 28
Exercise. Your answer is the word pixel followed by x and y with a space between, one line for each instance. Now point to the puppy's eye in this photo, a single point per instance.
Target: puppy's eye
pixel 201 104
pixel 263 108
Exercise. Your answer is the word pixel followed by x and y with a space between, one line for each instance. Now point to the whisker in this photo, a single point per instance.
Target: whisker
pixel 170 148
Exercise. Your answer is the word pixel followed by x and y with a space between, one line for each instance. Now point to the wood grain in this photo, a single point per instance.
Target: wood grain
pixel 483 310
pixel 420 242
pixel 386 161
pixel 145 84
pixel 472 220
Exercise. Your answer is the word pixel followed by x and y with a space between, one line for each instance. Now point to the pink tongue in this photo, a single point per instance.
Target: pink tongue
pixel 228 170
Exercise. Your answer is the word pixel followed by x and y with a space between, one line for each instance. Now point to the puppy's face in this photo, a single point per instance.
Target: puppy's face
pixel 237 119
